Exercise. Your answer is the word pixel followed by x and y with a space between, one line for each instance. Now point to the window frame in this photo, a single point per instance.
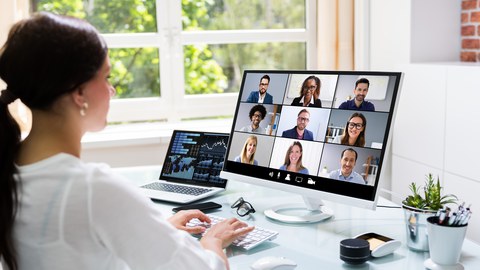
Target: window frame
pixel 173 104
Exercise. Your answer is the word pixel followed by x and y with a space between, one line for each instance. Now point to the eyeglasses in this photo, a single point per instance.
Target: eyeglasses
pixel 243 207
pixel 303 119
pixel 263 84
pixel 311 87
pixel 354 125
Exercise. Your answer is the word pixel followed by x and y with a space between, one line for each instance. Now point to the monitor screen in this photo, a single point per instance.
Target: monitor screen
pixel 321 134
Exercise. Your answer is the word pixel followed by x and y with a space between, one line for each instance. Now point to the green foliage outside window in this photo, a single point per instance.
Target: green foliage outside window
pixel 207 68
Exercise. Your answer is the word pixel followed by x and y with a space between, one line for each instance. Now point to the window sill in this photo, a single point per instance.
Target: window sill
pixel 149 133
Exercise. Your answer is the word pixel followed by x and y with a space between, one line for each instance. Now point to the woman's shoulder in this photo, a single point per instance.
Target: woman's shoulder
pixel 296 101
pixel 89 173
pixel 318 102
pixel 304 171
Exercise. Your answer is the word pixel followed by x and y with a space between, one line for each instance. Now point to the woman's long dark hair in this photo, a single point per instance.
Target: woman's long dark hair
pixel 45 57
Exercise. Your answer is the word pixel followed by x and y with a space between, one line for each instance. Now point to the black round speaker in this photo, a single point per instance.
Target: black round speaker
pixel 354 251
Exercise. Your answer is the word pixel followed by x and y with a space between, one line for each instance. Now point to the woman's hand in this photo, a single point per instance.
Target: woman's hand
pixel 220 236
pixel 181 218
pixel 227 231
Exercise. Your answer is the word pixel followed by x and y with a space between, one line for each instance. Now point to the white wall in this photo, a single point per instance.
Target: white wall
pixel 390 22
pixel 435 24
pixel 437 115
pixel 407 31
pixel 436 130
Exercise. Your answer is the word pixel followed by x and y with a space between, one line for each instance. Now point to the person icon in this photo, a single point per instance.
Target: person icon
pixel 247 155
pixel 293 159
pixel 257 114
pixel 261 96
pixel 358 102
pixel 354 134
pixel 346 173
pixel 309 93
pixel 300 131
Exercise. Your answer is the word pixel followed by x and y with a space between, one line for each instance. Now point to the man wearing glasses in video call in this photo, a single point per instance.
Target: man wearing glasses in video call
pixel 261 96
pixel 300 131
pixel 359 103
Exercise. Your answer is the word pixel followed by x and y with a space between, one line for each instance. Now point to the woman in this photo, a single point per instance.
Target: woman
pixel 293 159
pixel 354 134
pixel 309 93
pixel 248 151
pixel 58 212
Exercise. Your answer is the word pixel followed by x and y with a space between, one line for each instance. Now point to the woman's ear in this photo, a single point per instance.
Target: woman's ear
pixel 78 97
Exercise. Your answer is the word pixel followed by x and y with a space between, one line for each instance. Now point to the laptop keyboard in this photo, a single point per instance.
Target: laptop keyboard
pixel 195 191
pixel 248 241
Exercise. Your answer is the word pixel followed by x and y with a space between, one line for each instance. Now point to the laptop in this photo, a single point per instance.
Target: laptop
pixel 191 170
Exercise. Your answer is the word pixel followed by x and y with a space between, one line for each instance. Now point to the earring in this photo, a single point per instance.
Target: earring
pixel 83 109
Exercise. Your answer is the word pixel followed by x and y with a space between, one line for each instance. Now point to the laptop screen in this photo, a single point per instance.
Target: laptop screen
pixel 196 157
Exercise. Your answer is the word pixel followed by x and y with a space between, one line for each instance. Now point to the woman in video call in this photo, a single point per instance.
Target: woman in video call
pixel 354 134
pixel 309 93
pixel 293 159
pixel 57 211
pixel 247 155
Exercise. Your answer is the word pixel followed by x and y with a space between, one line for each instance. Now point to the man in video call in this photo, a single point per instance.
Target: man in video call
pixel 256 114
pixel 261 96
pixel 346 173
pixel 358 102
pixel 300 131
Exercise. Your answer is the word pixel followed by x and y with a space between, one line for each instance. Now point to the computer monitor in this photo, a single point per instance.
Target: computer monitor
pixel 332 149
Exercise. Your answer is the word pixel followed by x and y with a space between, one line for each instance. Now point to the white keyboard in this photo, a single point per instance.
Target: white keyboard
pixel 248 241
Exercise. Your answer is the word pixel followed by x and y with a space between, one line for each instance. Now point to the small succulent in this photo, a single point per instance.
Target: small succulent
pixel 432 198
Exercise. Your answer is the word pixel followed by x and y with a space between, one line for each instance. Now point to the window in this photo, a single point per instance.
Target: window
pixel 174 60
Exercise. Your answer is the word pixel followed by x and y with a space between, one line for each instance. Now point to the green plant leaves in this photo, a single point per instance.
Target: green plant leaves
pixel 432 198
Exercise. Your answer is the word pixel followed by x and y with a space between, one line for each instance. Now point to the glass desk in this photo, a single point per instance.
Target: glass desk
pixel 312 246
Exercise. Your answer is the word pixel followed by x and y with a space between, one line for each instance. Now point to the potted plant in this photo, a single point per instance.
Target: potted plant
pixel 419 205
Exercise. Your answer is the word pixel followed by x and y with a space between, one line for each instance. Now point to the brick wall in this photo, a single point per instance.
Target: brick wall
pixel 470 51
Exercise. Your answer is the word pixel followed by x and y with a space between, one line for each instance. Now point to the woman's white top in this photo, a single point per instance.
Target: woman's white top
pixel 76 215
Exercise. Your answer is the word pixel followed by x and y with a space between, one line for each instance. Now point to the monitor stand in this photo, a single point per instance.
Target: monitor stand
pixel 311 211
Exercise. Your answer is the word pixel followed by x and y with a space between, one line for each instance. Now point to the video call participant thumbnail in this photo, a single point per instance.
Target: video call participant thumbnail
pixel 354 134
pixel 293 159
pixel 347 163
pixel 261 96
pixel 257 114
pixel 309 93
pixel 360 93
pixel 300 131
pixel 247 155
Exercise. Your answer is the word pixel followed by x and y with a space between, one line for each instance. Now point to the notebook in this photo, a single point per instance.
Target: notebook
pixel 191 170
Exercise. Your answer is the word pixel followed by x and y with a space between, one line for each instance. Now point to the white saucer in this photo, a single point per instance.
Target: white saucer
pixel 429 264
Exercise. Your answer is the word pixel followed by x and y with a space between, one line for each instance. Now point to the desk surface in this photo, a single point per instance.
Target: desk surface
pixel 312 246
